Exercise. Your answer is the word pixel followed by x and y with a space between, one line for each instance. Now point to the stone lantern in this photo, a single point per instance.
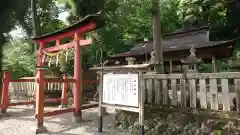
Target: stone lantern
pixel 190 63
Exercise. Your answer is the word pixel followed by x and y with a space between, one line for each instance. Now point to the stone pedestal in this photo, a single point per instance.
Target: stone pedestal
pixel 77 117
pixel 130 60
pixel 40 130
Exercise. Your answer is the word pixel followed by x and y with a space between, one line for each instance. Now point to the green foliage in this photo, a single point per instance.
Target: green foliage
pixel 204 12
pixel 19 13
pixel 205 68
pixel 18 58
pixel 189 10
pixel 81 8
pixel 126 21
pixel 234 60
pixel 217 132
pixel 222 66
pixel 169 14
pixel 47 16
pixel 69 68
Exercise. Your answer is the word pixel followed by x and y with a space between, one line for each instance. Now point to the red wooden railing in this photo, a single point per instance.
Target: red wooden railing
pixel 27 86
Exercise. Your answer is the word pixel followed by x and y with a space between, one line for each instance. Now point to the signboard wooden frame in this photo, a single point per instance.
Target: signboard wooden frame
pixel 128 69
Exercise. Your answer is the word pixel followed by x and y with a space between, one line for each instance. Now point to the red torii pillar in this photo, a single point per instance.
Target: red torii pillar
pixel 39 97
pixel 77 87
pixel 77 30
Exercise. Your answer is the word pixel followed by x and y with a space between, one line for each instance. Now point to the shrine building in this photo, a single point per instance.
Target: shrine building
pixel 176 47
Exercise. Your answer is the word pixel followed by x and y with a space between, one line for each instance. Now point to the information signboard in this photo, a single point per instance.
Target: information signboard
pixel 120 89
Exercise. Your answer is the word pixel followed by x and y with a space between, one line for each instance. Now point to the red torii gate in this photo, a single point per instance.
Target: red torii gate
pixel 77 31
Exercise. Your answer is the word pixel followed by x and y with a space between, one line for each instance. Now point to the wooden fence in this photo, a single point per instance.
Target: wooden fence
pixel 28 88
pixel 216 91
pixel 25 89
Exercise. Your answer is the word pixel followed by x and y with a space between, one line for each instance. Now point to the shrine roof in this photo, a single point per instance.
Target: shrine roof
pixel 178 41
pixel 92 18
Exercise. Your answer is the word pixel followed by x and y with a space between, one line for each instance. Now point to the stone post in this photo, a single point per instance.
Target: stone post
pixel 130 60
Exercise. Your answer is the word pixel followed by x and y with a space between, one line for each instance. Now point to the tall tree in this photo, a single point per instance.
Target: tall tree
pixel 157 45
pixel 34 18
pixel 7 23
pixel 14 13
pixel 34 21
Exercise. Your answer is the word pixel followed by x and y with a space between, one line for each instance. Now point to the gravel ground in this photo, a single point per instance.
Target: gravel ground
pixel 22 122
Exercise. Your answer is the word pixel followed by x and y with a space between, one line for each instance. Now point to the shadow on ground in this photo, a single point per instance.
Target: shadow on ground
pixel 17 112
pixel 62 124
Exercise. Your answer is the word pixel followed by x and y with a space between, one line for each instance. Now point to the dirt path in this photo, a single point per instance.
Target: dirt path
pixel 22 122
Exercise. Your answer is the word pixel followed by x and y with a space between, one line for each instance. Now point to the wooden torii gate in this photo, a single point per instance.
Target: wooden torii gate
pixel 76 31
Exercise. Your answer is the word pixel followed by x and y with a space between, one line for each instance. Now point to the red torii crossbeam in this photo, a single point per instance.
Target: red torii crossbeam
pixel 68 45
pixel 77 31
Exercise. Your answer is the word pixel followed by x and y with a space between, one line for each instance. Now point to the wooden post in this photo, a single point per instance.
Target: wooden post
pixel 170 67
pixel 4 100
pixel 57 42
pixel 141 102
pixel 214 65
pixel 77 88
pixel 165 92
pixel 214 93
pixel 150 91
pixel 225 94
pixel 183 92
pixel 39 109
pixel 100 111
pixel 203 93
pixel 64 91
pixel 237 88
pixel 193 93
pixel 174 92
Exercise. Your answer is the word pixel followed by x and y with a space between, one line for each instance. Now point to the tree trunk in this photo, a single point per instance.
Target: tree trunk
pixel 2 41
pixel 157 45
pixel 34 22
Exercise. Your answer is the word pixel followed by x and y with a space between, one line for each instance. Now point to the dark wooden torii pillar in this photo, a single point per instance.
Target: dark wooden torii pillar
pixel 76 31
